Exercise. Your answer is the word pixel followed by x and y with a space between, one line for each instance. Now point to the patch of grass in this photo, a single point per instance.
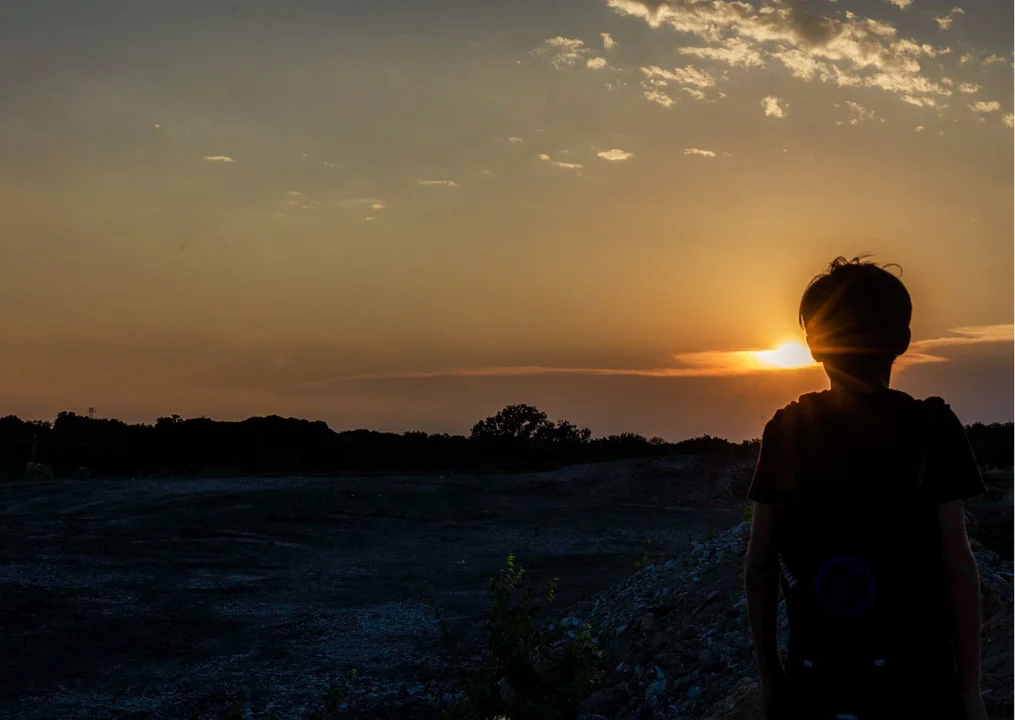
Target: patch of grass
pixel 528 670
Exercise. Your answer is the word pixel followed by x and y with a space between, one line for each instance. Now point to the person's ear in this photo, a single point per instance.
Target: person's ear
pixel 815 353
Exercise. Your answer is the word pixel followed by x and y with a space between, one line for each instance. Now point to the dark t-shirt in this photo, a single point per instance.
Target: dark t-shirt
pixel 866 441
pixel 843 475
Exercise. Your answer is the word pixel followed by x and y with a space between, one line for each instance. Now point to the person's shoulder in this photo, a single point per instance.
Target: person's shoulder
pixel 804 406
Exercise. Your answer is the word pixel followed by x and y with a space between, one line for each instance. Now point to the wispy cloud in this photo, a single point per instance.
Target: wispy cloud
pixel 687 75
pixel 944 22
pixel 985 107
pixel 562 51
pixel 858 114
pixel 659 97
pixel 515 140
pixel 219 158
pixel 608 42
pixel 901 4
pixel 919 101
pixel 444 183
pixel 734 51
pixel 699 151
pixel 994 59
pixel 615 155
pixel 969 88
pixel 709 363
pixel 557 163
pixel 377 206
pixel 919 128
pixel 773 107
pixel 596 63
pixel 1008 120
pixel 848 51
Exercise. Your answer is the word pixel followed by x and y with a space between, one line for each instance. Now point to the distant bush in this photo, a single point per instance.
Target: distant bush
pixel 528 670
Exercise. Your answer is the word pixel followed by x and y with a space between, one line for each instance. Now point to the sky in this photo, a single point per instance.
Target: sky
pixel 406 215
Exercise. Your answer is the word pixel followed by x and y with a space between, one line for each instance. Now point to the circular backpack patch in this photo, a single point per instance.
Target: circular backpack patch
pixel 844 586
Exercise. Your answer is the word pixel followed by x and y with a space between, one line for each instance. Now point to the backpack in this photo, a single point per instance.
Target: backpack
pixel 862 577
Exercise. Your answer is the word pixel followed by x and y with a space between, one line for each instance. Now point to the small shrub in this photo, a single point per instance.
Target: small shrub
pixel 527 670
pixel 646 556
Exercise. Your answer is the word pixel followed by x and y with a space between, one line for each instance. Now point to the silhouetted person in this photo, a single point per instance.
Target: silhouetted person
pixel 858 513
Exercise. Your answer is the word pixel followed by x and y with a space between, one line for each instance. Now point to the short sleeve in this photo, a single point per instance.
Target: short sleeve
pixel 951 471
pixel 770 466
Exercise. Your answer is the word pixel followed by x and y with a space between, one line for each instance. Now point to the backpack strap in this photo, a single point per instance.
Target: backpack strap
pixel 933 409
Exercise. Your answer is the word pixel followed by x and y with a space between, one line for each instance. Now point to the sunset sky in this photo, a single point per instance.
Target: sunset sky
pixel 408 214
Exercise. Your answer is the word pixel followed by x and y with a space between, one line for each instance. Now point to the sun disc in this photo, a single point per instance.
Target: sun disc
pixel 787 355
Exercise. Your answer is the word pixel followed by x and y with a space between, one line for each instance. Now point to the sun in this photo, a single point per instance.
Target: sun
pixel 787 355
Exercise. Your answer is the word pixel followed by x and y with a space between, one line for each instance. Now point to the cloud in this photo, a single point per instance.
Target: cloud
pixel 698 151
pixel 858 114
pixel 515 140
pixel 369 218
pixel 615 155
pixel 985 107
pixel 846 50
pixel 901 4
pixel 919 128
pixel 445 183
pixel 562 51
pixel 969 88
pixel 596 63
pixel 377 206
pixel 557 163
pixel 921 351
pixel 219 158
pixel 1008 120
pixel 773 107
pixel 956 11
pixel 994 59
pixel 733 51
pixel 919 101
pixel 608 42
pixel 696 94
pixel 682 76
pixel 708 363
pixel 297 200
pixel 659 97
pixel 944 22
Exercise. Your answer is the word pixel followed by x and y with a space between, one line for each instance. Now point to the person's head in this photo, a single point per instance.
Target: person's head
pixel 856 316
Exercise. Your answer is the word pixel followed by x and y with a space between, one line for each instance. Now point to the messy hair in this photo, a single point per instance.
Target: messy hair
pixel 856 315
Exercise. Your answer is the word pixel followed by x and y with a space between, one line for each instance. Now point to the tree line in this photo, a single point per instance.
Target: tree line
pixel 517 438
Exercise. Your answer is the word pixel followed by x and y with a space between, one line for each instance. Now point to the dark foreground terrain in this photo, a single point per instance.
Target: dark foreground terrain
pixel 164 598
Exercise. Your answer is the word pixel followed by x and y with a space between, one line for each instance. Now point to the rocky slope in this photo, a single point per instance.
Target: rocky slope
pixel 677 643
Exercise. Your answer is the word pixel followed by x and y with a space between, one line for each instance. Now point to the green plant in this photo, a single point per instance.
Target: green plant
pixel 528 670
pixel 748 513
pixel 646 556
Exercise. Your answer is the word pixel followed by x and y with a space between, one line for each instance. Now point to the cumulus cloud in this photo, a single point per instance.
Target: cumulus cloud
pixel 944 22
pixel 846 50
pixel 969 88
pixel 919 128
pixel 773 107
pixel 901 4
pixel 562 51
pixel 919 101
pixel 615 155
pixel 596 63
pixel 985 107
pixel 608 42
pixel 445 183
pixel 1008 120
pixel 858 114
pixel 659 97
pixel 557 163
pixel 699 151
pixel 219 158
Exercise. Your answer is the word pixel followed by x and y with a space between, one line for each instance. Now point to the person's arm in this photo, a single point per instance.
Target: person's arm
pixel 964 590
pixel 761 580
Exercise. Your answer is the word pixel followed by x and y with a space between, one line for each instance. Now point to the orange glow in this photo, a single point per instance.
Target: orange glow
pixel 788 355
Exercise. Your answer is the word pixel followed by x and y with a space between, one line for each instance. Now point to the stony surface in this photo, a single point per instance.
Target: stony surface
pixel 677 640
